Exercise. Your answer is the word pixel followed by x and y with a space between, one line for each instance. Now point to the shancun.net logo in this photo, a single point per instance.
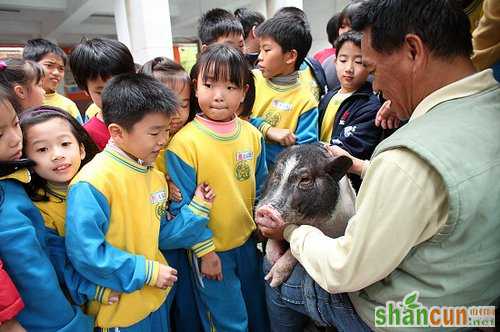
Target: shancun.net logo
pixel 411 313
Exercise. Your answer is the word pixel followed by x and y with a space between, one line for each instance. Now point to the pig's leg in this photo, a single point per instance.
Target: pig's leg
pixel 274 250
pixel 282 269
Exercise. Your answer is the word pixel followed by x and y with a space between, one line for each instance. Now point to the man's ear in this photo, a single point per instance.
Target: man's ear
pixel 116 132
pixel 338 167
pixel 291 56
pixel 416 50
pixel 19 91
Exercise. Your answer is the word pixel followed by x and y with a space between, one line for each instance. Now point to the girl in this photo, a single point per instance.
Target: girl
pixel 59 146
pixel 23 78
pixel 174 77
pixel 23 243
pixel 237 303
pixel 183 311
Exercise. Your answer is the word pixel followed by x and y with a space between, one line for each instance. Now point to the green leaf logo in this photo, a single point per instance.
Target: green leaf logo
pixel 410 301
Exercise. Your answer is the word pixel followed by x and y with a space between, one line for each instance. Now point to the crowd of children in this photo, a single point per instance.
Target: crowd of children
pixel 138 214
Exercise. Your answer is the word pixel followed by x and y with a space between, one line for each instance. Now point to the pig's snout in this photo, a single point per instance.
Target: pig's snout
pixel 268 216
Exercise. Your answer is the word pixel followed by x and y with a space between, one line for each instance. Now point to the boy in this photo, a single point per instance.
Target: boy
pixel 250 20
pixel 347 114
pixel 113 236
pixel 285 110
pixel 220 26
pixel 53 60
pixel 93 62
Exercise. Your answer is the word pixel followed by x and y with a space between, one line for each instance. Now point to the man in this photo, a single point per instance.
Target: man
pixel 426 217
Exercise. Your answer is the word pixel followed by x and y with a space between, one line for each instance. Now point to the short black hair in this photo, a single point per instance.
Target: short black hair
pixel 332 28
pixel 127 98
pixel 217 23
pixel 349 36
pixel 348 12
pixel 36 49
pixel 248 19
pixel 290 32
pixel 441 24
pixel 224 62
pixel 99 57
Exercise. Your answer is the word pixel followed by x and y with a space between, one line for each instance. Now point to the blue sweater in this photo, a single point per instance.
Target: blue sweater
pixel 23 249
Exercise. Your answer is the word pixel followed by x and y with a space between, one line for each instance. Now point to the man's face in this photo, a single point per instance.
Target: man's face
pixel 392 75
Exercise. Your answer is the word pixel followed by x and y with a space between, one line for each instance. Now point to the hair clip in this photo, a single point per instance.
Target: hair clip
pixel 3 65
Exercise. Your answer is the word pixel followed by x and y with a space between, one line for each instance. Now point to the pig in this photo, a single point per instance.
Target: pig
pixel 307 186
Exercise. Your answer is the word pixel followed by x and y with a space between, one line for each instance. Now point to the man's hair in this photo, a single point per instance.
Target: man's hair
pixel 217 23
pixel 248 19
pixel 99 57
pixel 36 49
pixel 128 98
pixel 332 28
pixel 349 36
pixel 441 24
pixel 290 32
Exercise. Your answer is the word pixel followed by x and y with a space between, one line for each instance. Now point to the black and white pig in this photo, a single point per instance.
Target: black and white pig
pixel 308 186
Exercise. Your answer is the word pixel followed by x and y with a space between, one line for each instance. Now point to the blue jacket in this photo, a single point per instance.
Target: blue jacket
pixel 354 128
pixel 23 249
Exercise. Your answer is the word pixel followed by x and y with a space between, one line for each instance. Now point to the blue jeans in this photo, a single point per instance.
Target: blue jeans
pixel 300 298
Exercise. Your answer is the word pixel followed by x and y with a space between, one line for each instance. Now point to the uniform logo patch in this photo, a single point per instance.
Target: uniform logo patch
pixel 158 197
pixel 245 155
pixel 273 118
pixel 242 170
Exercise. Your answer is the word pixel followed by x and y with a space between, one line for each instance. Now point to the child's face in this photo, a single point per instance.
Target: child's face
pixel 11 138
pixel 218 100
pixel 146 138
pixel 345 26
pixel 95 88
pixel 272 61
pixel 31 95
pixel 236 40
pixel 53 66
pixel 179 119
pixel 351 72
pixel 55 149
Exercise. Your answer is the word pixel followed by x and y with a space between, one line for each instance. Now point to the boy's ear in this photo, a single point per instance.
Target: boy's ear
pixel 116 132
pixel 203 48
pixel 252 32
pixel 19 91
pixel 291 57
pixel 82 152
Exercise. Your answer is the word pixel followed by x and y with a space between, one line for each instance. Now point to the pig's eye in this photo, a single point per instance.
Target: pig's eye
pixel 305 181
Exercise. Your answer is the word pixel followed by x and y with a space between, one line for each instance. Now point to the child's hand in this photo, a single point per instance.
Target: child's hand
pixel 166 276
pixel 173 192
pixel 205 192
pixel 386 118
pixel 282 136
pixel 114 297
pixel 211 266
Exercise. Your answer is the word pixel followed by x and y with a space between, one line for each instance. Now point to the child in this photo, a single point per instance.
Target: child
pixel 237 303
pixel 220 26
pixel 59 146
pixel 250 20
pixel 23 246
pixel 112 237
pixel 53 60
pixel 23 78
pixel 347 115
pixel 184 313
pixel 176 79
pixel 92 63
pixel 282 102
pixel 10 303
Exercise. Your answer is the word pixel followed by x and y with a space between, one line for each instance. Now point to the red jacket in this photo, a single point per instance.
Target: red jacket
pixel 10 300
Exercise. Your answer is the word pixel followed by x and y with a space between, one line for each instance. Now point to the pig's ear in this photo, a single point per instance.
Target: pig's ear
pixel 338 167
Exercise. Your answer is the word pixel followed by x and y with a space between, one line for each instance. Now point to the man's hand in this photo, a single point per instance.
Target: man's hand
pixel 273 233
pixel 357 164
pixel 205 192
pixel 211 266
pixel 282 136
pixel 166 276
pixel 386 118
